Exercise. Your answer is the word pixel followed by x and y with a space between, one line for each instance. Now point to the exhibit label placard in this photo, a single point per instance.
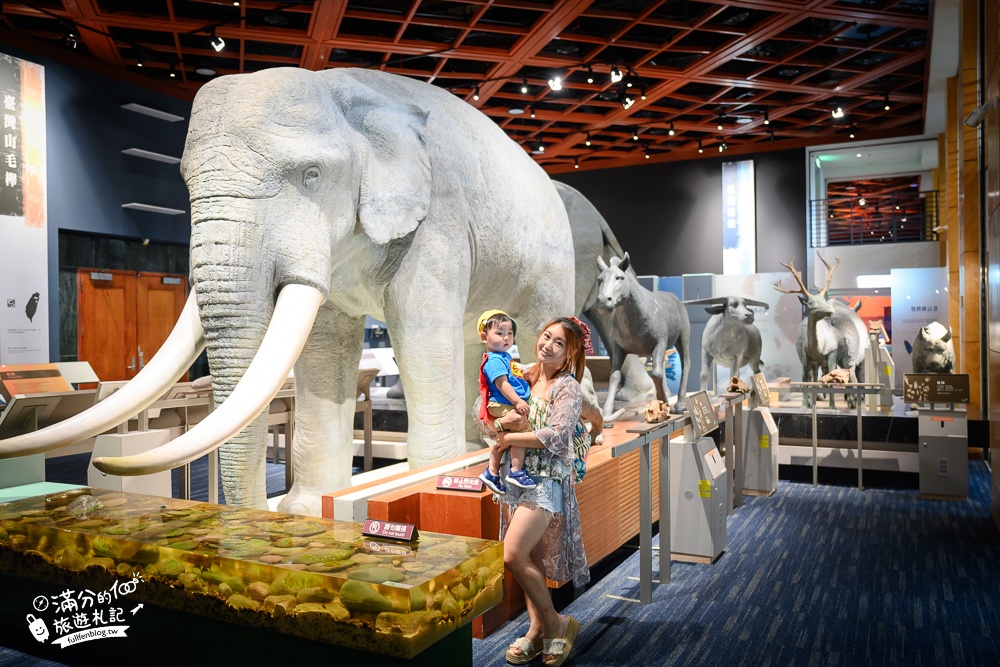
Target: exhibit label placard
pixel 456 483
pixel 935 388
pixel 760 386
pixel 31 379
pixel 389 530
pixel 24 266
pixel 703 417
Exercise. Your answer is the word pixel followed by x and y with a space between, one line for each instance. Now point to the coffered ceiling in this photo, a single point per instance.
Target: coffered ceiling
pixel 769 73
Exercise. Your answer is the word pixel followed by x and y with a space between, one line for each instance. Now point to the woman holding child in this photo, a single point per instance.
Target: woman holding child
pixel 541 527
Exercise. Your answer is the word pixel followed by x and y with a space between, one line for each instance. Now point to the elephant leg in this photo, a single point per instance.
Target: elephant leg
pixel 326 393
pixel 707 370
pixel 427 340
pixel 615 380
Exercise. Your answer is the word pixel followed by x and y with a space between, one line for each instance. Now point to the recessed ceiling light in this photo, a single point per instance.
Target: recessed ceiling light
pixel 205 70
pixel 515 111
pixel 743 121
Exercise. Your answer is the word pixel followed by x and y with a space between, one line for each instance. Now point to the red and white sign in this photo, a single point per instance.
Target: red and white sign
pixel 390 530
pixel 454 483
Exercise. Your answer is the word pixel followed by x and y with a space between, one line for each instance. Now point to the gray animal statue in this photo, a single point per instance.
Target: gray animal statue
pixel 933 350
pixel 730 336
pixel 634 320
pixel 318 198
pixel 830 337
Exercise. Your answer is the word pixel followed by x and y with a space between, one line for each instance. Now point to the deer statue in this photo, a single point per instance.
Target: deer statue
pixel 831 334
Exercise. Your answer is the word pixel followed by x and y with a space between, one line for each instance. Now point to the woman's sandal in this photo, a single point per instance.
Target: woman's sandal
pixel 528 651
pixel 560 648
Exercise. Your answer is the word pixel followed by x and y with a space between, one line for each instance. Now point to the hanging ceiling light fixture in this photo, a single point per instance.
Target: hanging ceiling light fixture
pixel 635 134
pixel 700 149
pixel 217 42
pixel 671 130
pixel 767 121
pixel 646 152
pixel 173 71
pixel 532 110
pixel 718 124
pixel 524 86
pixel 587 142
pixel 555 83
pixel 628 101
pixel 475 95
pixel 616 74
pixel 885 102
pixel 590 74
pixel 576 163
pixel 837 113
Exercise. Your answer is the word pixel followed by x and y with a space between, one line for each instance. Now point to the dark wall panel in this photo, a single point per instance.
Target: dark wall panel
pixel 668 216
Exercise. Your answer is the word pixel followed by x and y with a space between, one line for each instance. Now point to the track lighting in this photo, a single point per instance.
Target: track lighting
pixel 671 130
pixel 723 147
pixel 531 109
pixel 767 121
pixel 628 101
pixel 616 74
pixel 524 86
pixel 885 102
pixel 590 74
pixel 635 135
pixel 576 163
pixel 837 113
pixel 587 142
pixel 555 83
pixel 70 39
pixel 628 82
pixel 646 152
pixel 475 95
pixel 642 94
pixel 217 42
pixel 700 149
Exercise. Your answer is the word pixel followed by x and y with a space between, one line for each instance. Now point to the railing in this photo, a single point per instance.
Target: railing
pixel 894 218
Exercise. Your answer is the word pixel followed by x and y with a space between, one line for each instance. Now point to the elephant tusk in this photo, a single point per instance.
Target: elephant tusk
pixel 291 322
pixel 175 356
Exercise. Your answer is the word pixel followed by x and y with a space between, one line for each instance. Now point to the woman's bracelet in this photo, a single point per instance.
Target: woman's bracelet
pixel 497 426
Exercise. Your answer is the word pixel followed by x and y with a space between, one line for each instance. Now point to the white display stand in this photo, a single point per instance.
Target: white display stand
pixel 944 454
pixel 760 453
pixel 698 480
pixel 127 444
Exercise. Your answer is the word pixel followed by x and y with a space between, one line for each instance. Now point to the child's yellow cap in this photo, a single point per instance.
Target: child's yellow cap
pixel 487 314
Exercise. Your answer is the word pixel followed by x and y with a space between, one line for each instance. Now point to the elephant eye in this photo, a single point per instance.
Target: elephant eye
pixel 310 177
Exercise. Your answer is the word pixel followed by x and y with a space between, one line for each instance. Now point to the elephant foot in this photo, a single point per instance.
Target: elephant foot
pixel 297 502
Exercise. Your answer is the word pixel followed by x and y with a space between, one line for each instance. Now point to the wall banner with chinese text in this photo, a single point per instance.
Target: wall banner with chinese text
pixel 24 280
pixel 739 218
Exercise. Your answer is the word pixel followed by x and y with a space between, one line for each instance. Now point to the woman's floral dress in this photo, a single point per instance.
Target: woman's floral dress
pixel 554 423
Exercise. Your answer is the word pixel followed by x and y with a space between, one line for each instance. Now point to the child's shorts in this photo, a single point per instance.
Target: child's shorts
pixel 498 410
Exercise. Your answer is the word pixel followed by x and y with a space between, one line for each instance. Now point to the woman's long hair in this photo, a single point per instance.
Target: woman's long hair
pixel 575 360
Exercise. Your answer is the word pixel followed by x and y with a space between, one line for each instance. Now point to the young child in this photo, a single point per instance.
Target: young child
pixel 503 389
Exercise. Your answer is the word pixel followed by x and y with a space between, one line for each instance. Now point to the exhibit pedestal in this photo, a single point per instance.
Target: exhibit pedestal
pixel 944 455
pixel 760 453
pixel 127 444
pixel 698 481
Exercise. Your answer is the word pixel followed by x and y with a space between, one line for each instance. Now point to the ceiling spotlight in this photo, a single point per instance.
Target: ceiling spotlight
pixel 590 74
pixel 646 152
pixel 217 42
pixel 837 113
pixel 70 39
pixel 642 94
pixel 532 110
pixel 628 83
pixel 587 142
pixel 722 147
pixel 524 86
pixel 541 147
pixel 861 201
pixel 236 3
pixel 700 149
pixel 576 163
pixel 475 95
pixel 616 74
pixel 767 121
pixel 205 70
pixel 671 130
pixel 173 71
pixel 858 155
pixel 555 83
pixel 635 135
pixel 885 102
pixel 628 101
pixel 718 125
pixel 138 60
pixel 852 135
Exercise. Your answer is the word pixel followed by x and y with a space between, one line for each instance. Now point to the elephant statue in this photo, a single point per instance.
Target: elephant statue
pixel 318 198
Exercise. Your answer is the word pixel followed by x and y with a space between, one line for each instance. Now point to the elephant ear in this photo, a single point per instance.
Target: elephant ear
pixel 396 171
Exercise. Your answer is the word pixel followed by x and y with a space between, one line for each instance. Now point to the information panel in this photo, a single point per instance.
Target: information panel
pixel 24 310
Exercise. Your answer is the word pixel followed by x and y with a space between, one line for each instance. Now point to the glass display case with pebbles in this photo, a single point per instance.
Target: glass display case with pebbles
pixel 309 577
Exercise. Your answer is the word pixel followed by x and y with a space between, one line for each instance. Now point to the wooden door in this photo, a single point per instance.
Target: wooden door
pixel 106 332
pixel 159 300
pixel 124 317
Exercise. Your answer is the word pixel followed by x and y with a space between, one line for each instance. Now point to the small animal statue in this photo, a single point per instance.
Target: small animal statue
pixel 634 320
pixel 831 335
pixel 933 351
pixel 730 335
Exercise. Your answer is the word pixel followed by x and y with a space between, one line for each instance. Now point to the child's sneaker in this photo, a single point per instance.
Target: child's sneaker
pixel 493 482
pixel 521 479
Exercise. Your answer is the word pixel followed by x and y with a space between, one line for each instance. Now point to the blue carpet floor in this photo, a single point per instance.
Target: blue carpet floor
pixel 812 576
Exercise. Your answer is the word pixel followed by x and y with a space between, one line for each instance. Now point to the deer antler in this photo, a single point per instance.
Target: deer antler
pixel 829 273
pixel 795 274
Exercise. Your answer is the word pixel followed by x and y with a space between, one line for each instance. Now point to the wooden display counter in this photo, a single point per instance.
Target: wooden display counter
pixel 608 499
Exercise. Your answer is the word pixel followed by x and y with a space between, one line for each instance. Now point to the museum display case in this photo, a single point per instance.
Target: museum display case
pixel 301 576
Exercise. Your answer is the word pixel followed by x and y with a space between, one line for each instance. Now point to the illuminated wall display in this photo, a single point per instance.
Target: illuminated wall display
pixel 739 218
